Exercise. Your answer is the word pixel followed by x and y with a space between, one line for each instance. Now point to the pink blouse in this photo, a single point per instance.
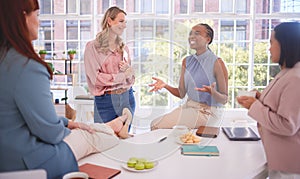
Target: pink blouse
pixel 102 70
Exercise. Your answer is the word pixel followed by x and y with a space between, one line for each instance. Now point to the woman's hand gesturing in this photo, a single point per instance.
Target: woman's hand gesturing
pixel 159 84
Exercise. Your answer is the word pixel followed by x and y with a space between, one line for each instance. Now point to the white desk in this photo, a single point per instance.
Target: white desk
pixel 237 160
pixel 84 108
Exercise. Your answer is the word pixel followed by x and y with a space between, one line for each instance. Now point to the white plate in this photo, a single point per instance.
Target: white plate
pixel 124 165
pixel 179 141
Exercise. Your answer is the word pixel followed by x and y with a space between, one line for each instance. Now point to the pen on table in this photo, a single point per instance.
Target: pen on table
pixel 162 139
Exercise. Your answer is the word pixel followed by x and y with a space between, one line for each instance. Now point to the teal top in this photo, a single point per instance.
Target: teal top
pixel 31 134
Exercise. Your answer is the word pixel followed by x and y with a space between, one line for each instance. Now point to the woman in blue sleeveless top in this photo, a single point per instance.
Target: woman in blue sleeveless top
pixel 204 79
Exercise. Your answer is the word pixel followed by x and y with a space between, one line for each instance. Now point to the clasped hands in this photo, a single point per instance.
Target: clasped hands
pixel 79 125
pixel 247 101
pixel 126 68
pixel 92 128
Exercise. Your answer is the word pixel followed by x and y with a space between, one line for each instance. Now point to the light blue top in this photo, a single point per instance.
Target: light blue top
pixel 200 71
pixel 31 134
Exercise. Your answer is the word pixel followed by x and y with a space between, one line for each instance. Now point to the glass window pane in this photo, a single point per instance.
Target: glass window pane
pixel 85 30
pixel 120 4
pixel 162 7
pixel 103 6
pixel 198 6
pixel 148 97
pixel 147 28
pixel 59 6
pixel 226 52
pixel 146 6
pixel 241 54
pixel 45 6
pixel 262 29
pixel 72 29
pixel 263 7
pixel 183 6
pixel 286 6
pixel 241 75
pixel 71 6
pixel 227 6
pixel 58 29
pixel 260 52
pixel 162 29
pixel 212 5
pixel 227 30
pixel 260 75
pixel 85 7
pixel 241 6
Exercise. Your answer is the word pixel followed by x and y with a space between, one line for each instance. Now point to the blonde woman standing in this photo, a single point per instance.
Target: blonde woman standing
pixel 109 73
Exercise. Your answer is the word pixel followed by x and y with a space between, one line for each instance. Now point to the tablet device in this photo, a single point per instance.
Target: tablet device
pixel 240 133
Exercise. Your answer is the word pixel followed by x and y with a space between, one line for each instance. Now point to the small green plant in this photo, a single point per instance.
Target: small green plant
pixel 72 51
pixel 42 52
pixel 51 66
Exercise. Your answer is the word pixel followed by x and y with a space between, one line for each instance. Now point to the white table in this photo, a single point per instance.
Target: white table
pixel 237 160
pixel 84 108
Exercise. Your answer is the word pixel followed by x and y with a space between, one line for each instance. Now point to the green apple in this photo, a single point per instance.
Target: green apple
pixel 149 165
pixel 139 166
pixel 131 163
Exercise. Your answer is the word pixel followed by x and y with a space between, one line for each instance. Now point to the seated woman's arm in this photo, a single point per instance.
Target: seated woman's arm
pixel 221 74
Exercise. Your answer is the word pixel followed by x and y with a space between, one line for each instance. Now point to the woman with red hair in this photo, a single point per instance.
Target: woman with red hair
pixel 32 136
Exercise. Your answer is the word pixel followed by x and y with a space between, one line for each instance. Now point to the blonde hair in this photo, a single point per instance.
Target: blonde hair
pixel 102 37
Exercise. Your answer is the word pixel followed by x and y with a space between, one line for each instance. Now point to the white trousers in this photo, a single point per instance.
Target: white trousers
pixel 191 114
pixel 84 143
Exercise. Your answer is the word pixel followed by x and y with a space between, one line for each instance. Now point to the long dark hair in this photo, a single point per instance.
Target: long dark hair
pixel 288 36
pixel 14 31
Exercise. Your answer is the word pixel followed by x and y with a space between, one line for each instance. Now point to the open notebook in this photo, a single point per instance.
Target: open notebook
pixel 240 133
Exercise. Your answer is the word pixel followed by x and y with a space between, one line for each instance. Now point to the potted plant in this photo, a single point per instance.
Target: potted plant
pixel 71 53
pixel 42 54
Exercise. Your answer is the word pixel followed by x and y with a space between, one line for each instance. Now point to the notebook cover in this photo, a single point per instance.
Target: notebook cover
pixel 240 133
pixel 206 131
pixel 200 150
pixel 98 172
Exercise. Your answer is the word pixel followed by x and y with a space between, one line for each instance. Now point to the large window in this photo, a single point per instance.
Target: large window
pixel 157 33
